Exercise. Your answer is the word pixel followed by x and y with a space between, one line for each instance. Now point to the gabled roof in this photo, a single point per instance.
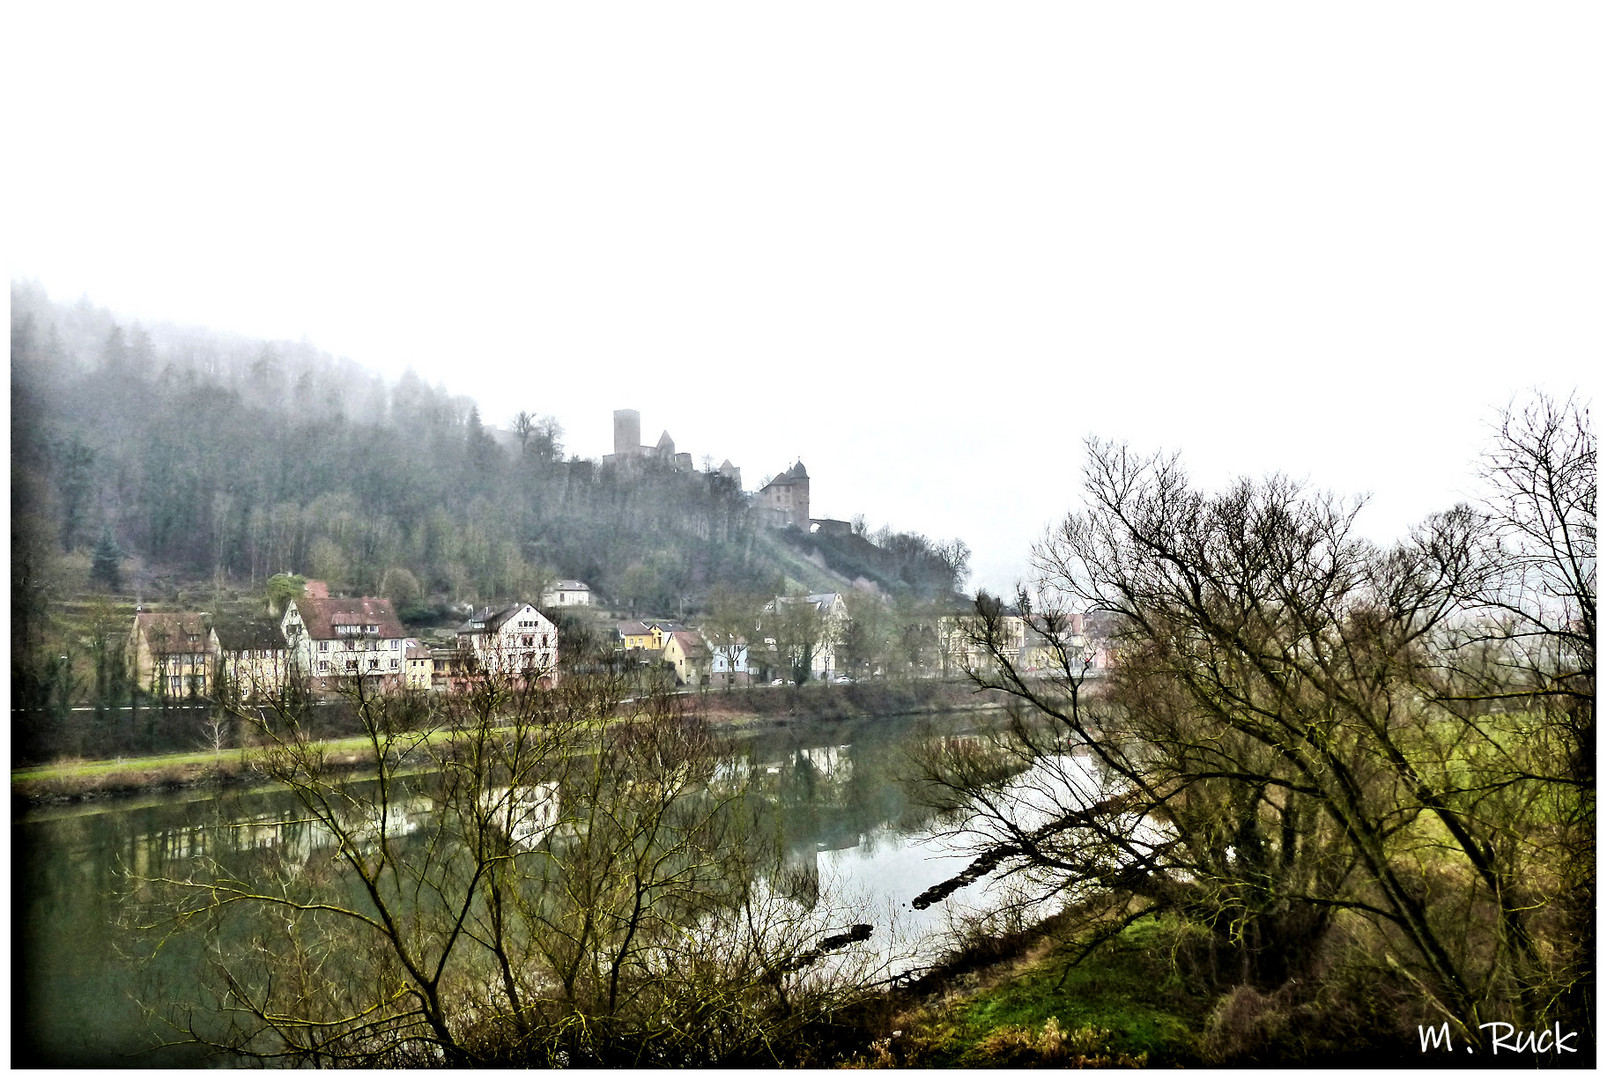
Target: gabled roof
pixel 495 621
pixel 632 629
pixel 571 585
pixel 490 620
pixel 691 643
pixel 172 627
pixel 239 634
pixel 322 616
pixel 821 600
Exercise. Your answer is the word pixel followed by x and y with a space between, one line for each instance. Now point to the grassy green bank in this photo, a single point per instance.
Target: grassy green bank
pixel 76 779
pixel 1010 1001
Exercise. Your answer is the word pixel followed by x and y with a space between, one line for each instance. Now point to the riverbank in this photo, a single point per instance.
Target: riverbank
pixel 1007 1000
pixel 740 709
pixel 745 706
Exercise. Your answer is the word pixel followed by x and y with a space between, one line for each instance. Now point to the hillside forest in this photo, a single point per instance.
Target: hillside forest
pixel 160 457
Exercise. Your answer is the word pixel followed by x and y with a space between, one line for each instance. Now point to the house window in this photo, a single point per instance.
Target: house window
pixel 395 664
pixel 323 646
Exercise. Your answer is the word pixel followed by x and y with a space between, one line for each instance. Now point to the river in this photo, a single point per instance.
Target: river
pixel 842 791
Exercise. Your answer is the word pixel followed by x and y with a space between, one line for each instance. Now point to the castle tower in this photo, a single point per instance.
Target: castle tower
pixel 785 500
pixel 627 433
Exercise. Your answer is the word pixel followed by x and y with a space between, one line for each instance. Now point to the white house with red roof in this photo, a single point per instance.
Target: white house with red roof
pixel 514 640
pixel 333 639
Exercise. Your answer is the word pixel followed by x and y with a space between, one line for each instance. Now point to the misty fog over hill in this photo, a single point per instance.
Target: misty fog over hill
pixel 203 453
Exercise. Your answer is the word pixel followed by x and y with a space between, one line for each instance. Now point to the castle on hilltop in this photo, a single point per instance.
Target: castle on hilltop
pixel 783 501
pixel 629 450
pixel 628 447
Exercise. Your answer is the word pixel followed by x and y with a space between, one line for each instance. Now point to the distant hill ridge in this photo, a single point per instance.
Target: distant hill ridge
pixel 213 455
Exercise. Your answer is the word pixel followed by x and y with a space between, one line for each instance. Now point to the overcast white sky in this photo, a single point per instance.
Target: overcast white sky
pixel 926 247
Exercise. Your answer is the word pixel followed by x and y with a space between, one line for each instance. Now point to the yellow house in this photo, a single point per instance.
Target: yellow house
pixel 635 635
pixel 420 666
pixel 173 654
pixel 651 634
pixel 686 652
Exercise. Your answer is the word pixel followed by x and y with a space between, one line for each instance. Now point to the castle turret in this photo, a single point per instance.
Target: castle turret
pixel 800 496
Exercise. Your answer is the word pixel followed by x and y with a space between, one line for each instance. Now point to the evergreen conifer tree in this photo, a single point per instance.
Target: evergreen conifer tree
pixel 107 569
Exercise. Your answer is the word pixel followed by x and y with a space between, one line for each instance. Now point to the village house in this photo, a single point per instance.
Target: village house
pixel 688 654
pixel 331 640
pixel 173 654
pixel 958 651
pixel 255 662
pixel 728 663
pixel 648 634
pixel 633 634
pixel 832 614
pixel 1030 648
pixel 566 592
pixel 450 669
pixel 515 640
pixel 420 665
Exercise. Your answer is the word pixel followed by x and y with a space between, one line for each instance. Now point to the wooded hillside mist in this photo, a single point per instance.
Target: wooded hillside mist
pixel 206 455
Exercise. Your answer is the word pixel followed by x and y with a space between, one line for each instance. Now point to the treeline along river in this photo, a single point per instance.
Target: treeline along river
pixel 842 795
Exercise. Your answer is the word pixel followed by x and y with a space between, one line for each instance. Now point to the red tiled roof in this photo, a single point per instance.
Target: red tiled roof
pixel 691 643
pixel 322 616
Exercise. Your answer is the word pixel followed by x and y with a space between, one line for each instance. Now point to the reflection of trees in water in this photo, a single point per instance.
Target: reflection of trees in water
pixel 825 796
pixel 551 891
pixel 799 877
pixel 840 789
pixel 837 787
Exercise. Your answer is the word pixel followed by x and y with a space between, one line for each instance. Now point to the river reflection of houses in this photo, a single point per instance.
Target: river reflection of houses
pixel 524 814
pixel 838 797
pixel 840 802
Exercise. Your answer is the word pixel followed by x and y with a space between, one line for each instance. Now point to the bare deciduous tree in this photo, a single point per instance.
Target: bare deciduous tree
pixel 525 878
pixel 1298 732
